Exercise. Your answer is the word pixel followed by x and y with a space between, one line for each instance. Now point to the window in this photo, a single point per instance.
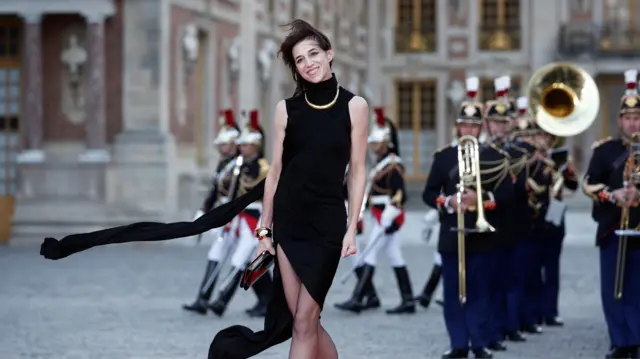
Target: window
pixel 416 122
pixel 621 25
pixel 416 26
pixel 500 25
pixel 9 42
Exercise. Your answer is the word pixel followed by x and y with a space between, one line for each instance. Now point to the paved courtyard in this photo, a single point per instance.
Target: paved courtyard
pixel 123 302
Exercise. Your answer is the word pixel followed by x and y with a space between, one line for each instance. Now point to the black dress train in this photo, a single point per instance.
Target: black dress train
pixel 309 219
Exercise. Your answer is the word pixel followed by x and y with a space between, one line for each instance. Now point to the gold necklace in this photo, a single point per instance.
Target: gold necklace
pixel 323 107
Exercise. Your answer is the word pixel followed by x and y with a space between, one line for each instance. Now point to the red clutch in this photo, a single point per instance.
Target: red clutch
pixel 256 269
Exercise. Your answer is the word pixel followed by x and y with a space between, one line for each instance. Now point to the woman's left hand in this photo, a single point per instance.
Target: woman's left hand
pixel 349 244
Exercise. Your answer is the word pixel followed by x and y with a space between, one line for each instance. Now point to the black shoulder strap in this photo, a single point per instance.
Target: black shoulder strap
pixel 619 161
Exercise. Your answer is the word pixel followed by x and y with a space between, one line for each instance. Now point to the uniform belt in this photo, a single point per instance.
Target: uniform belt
pixel 255 205
pixel 381 199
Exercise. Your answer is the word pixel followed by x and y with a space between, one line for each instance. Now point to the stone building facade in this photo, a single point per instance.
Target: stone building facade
pixel 108 107
pixel 113 104
pixel 428 47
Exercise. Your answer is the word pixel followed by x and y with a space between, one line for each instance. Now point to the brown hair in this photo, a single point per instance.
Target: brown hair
pixel 300 30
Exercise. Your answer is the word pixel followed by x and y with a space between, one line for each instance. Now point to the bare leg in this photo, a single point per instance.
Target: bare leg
pixel 310 340
pixel 326 347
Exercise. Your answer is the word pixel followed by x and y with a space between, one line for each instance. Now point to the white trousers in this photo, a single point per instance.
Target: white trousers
pixel 246 247
pixel 378 240
pixel 223 241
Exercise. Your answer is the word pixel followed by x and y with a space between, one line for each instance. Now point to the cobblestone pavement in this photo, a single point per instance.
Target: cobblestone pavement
pixel 123 302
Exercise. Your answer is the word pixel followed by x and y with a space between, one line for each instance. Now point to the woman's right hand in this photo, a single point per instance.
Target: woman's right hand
pixel 265 244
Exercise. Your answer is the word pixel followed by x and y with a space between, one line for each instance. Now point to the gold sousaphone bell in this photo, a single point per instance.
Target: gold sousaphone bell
pixel 563 99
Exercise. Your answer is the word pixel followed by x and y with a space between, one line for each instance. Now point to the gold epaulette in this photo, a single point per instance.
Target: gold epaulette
pixel 599 143
pixel 264 168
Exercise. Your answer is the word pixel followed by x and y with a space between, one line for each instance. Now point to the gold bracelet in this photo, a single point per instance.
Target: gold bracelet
pixel 263 232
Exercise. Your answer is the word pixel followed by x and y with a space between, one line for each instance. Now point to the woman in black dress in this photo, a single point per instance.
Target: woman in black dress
pixel 318 131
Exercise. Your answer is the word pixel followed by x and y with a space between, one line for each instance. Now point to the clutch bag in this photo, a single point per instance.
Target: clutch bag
pixel 256 269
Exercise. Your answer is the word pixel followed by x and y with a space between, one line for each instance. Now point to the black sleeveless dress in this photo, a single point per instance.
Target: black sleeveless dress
pixel 309 218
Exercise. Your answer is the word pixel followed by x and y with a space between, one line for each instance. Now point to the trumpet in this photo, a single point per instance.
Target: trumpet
pixel 469 173
pixel 631 178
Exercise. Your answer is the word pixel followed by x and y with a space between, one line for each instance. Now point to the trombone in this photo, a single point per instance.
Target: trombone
pixel 631 178
pixel 469 173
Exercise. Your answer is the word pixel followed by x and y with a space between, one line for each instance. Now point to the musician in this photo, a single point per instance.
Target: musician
pixel 466 321
pixel 254 169
pixel 612 185
pixel 498 117
pixel 518 225
pixel 564 175
pixel 225 142
pixel 386 199
pixel 529 249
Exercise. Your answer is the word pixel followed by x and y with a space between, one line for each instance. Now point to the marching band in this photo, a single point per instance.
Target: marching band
pixel 496 193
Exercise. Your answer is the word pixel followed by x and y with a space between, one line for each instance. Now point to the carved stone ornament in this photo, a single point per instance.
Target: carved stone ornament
pixel 266 56
pixel 456 92
pixel 74 58
pixel 233 58
pixel 190 46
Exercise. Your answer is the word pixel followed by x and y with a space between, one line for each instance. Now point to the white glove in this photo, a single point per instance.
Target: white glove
pixel 389 215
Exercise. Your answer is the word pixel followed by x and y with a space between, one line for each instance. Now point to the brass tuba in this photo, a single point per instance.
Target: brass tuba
pixel 563 99
pixel 469 173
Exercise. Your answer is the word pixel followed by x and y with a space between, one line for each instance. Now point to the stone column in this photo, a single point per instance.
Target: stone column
pixel 248 80
pixel 33 114
pixel 373 55
pixel 95 126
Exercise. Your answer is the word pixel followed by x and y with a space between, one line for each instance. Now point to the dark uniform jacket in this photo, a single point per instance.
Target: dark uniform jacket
pixel 518 223
pixel 252 172
pixel 604 175
pixel 388 183
pixel 496 182
pixel 221 183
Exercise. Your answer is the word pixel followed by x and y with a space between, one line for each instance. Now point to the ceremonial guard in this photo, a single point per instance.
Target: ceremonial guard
pixel 529 249
pixel 387 196
pixel 253 169
pixel 564 175
pixel 517 227
pixel 498 120
pixel 223 238
pixel 463 189
pixel 370 297
pixel 612 181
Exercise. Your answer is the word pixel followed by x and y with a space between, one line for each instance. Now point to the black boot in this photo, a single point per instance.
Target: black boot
pixel 355 303
pixel 371 300
pixel 204 294
pixel 430 287
pixel 263 288
pixel 406 293
pixel 226 293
